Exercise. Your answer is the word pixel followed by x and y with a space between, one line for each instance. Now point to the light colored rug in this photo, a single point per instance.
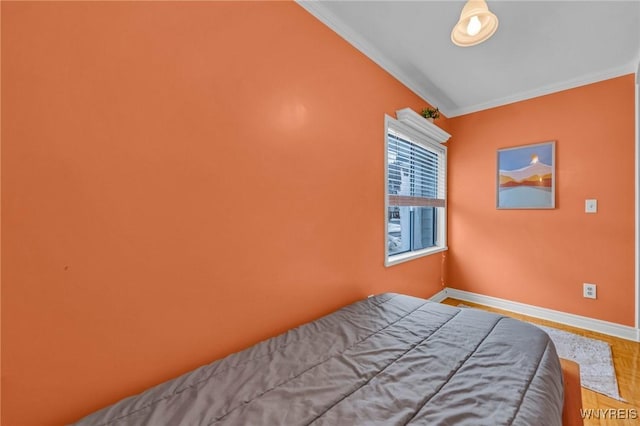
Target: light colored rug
pixel 594 357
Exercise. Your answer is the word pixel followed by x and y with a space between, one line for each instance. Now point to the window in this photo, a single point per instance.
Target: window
pixel 415 193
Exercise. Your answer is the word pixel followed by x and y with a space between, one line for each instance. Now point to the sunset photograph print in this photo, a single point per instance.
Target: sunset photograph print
pixel 526 177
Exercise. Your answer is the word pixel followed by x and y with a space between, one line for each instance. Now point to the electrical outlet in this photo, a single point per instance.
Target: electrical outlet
pixel 589 290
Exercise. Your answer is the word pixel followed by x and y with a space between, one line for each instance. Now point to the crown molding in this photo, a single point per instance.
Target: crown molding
pixel 630 68
pixel 317 9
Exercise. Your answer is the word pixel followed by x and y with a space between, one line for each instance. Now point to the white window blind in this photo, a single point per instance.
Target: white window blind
pixel 416 171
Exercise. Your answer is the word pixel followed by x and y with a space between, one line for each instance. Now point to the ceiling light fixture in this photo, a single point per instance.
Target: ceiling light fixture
pixel 476 24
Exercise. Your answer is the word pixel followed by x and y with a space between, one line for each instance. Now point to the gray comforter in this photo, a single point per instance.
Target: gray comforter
pixel 387 360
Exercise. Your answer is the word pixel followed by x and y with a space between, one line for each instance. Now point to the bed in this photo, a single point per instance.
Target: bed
pixel 390 359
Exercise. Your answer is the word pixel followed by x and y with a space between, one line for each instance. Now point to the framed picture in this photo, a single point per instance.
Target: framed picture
pixel 526 177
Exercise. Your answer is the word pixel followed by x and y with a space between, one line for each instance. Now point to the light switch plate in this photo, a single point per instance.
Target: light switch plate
pixel 591 206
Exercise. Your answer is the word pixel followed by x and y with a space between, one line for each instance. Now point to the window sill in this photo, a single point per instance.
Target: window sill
pixel 404 257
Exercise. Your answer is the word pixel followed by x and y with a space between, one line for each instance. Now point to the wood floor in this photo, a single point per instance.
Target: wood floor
pixel 626 360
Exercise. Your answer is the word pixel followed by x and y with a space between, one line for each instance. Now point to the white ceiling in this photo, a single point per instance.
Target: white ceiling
pixel 540 46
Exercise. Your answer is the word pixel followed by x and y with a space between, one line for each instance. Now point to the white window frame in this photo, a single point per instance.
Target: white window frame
pixel 421 133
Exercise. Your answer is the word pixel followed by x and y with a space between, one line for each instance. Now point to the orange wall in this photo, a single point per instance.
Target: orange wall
pixel 542 257
pixel 180 181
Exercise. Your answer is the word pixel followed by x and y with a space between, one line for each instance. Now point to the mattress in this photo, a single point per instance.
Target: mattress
pixel 387 360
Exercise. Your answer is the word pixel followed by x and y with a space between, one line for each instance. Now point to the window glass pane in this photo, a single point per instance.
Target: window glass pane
pixel 398 230
pixel 424 227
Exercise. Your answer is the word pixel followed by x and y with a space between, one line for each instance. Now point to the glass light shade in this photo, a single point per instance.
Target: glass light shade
pixel 475 10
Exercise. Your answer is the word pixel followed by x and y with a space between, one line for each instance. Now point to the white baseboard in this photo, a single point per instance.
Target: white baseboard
pixel 599 326
pixel 439 296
